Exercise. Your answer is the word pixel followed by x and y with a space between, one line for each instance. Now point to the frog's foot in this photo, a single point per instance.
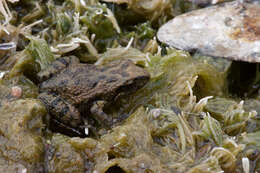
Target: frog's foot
pixel 98 114
pixel 60 127
pixel 61 110
pixel 55 67
pixel 89 129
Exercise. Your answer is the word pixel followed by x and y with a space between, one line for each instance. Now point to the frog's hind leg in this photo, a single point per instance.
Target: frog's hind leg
pixel 61 110
pixel 55 67
pixel 58 126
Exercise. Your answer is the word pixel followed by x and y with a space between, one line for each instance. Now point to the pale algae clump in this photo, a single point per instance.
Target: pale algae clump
pixel 232 114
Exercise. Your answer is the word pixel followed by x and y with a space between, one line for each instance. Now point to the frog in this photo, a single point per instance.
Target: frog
pixel 73 92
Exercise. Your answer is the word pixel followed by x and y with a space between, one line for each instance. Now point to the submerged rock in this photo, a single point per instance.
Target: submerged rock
pixel 230 30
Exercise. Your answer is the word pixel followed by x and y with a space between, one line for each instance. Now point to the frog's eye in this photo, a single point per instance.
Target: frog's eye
pixel 137 83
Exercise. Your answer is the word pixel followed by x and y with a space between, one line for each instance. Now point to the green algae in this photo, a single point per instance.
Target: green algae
pixel 40 52
pixel 22 134
pixel 60 156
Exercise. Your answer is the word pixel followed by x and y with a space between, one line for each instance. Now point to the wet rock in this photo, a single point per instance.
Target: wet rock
pixel 72 155
pixel 230 30
pixel 21 142
pixel 63 158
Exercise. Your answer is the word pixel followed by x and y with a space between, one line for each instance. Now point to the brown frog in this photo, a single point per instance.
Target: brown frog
pixel 72 91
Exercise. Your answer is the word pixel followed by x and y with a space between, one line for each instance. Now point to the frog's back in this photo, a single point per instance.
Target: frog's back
pixel 72 81
pixel 86 82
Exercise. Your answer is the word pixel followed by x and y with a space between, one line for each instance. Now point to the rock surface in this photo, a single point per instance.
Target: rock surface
pixel 230 30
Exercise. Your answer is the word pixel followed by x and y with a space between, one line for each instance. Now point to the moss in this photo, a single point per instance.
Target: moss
pixel 40 52
pixel 98 23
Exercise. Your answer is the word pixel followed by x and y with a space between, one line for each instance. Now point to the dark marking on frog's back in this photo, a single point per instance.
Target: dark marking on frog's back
pixel 77 82
pixel 64 82
pixel 125 74
pixel 63 61
pixel 104 69
pixel 92 83
pixel 125 65
pixel 101 77
pixel 116 71
pixel 112 79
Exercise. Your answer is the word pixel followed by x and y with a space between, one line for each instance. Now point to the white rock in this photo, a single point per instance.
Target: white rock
pixel 230 30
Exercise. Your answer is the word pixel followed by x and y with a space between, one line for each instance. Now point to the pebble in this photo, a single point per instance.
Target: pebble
pixel 16 91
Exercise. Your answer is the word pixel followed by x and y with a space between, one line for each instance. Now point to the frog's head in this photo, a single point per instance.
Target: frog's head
pixel 134 77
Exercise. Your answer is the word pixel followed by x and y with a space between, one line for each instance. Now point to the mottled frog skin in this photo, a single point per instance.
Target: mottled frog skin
pixel 71 91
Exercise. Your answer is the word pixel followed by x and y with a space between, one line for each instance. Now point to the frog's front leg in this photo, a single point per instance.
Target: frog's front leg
pixel 99 115
pixel 61 110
